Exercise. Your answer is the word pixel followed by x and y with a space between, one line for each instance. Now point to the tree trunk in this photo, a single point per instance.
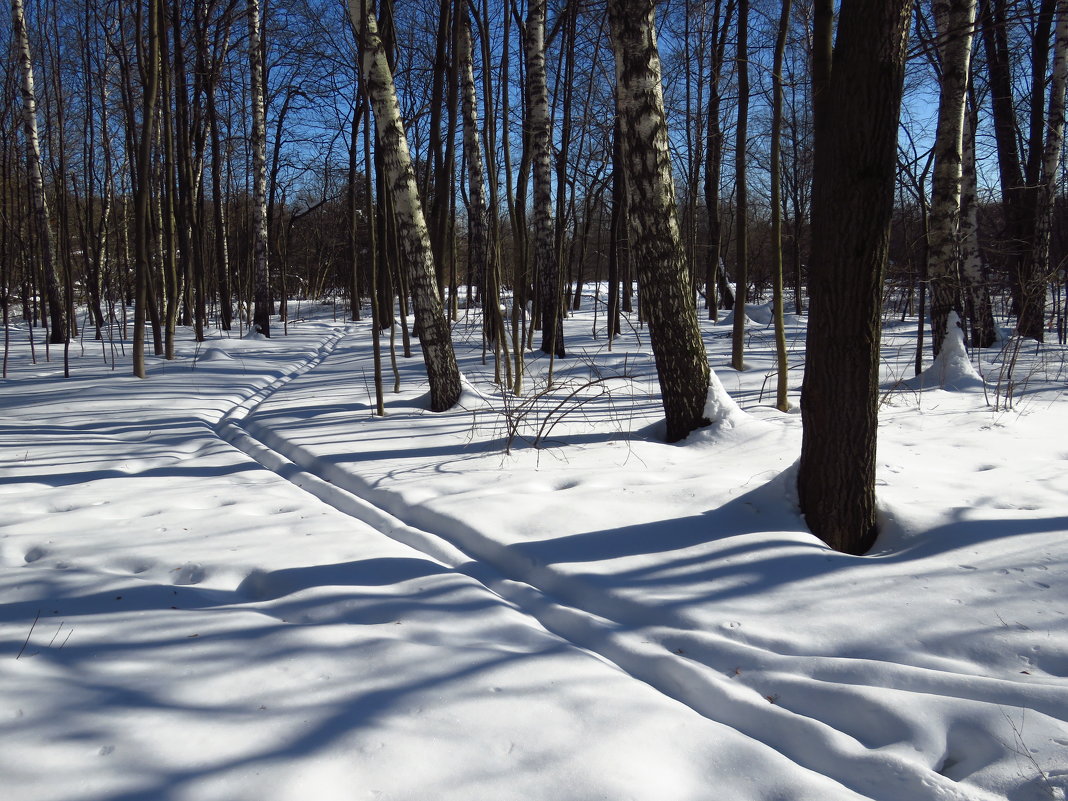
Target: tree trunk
pixel 667 300
pixel 741 192
pixel 142 184
pixel 1051 159
pixel 973 273
pixel 857 87
pixel 414 240
pixel 713 166
pixel 261 315
pixel 56 311
pixel 485 271
pixel 782 403
pixel 954 20
pixel 546 268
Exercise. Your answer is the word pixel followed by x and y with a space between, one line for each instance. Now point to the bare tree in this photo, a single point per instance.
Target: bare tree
pixel 741 192
pixel 546 267
pixel 262 312
pixel 955 20
pixel 667 298
pixel 781 384
pixel 413 237
pixel 57 313
pixel 857 85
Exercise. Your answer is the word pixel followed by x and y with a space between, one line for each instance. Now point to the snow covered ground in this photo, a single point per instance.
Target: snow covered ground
pixel 231 581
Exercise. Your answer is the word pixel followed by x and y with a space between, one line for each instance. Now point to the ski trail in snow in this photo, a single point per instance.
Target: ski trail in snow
pixel 636 648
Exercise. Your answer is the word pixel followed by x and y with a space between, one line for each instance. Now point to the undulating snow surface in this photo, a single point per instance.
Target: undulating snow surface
pixel 232 582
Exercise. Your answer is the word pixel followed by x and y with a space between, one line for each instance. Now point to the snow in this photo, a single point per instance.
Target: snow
pixel 232 581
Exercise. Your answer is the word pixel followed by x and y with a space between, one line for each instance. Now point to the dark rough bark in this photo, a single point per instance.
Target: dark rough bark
pixel 667 302
pixel 857 94
pixel 781 384
pixel 1019 180
pixel 142 189
pixel 741 193
pixel 980 310
pixel 714 278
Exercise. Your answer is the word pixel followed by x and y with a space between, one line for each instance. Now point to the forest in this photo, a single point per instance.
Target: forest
pixel 428 399
pixel 173 164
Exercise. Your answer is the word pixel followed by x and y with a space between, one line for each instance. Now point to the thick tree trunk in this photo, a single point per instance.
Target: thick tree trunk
pixel 857 87
pixel 667 300
pixel 954 19
pixel 414 241
pixel 56 312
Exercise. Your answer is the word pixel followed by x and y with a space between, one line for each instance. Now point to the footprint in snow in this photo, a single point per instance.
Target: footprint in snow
pixel 189 573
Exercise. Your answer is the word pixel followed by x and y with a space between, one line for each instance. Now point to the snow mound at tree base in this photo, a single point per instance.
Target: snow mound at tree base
pixel 720 407
pixel 952 369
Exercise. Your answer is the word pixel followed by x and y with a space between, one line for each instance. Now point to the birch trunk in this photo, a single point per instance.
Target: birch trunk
pixel 261 315
pixel 546 267
pixel 667 300
pixel 56 312
pixel 412 235
pixel 1051 154
pixel 955 20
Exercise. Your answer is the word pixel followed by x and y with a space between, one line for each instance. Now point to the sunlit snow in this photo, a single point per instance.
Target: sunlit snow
pixel 231 581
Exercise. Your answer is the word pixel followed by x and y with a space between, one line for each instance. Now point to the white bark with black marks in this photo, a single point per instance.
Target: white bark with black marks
pixel 413 238
pixel 546 267
pixel 56 311
pixel 955 20
pixel 261 315
pixel 667 299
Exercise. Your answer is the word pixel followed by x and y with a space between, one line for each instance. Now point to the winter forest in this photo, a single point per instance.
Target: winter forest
pixel 427 399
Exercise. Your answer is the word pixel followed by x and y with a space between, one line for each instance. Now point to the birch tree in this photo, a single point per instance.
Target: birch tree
pixel 56 311
pixel 261 315
pixel 667 300
pixel 413 238
pixel 954 20
pixel 546 266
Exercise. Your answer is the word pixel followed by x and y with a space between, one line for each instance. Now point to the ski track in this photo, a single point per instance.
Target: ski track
pixel 656 655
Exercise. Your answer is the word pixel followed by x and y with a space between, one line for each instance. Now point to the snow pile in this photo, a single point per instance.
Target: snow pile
pixel 952 369
pixel 720 407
